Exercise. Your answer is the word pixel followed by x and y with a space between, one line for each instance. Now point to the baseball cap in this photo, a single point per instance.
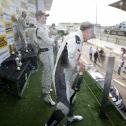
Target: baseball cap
pixel 85 25
pixel 41 13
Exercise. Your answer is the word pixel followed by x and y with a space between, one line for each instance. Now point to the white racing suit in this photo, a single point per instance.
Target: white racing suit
pixel 46 56
pixel 65 71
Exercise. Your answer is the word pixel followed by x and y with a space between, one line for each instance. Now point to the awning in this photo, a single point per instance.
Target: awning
pixel 119 4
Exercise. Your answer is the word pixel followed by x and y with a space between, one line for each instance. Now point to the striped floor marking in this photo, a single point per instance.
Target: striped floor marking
pixel 120 83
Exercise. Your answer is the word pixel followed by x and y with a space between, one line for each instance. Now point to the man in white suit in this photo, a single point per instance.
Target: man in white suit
pixel 68 75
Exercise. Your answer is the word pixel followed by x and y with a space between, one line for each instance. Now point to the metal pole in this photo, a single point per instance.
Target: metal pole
pixel 96 12
pixel 107 84
pixel 36 5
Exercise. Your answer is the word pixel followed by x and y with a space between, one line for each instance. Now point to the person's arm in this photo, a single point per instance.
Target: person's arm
pixel 43 34
pixel 25 23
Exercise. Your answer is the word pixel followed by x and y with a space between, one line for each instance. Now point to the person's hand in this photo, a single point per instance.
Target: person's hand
pixel 82 67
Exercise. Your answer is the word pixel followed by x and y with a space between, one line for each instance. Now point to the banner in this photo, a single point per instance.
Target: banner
pixel 8 28
pixel 4 51
pixel 3 41
pixel 4 54
pixel 2 28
